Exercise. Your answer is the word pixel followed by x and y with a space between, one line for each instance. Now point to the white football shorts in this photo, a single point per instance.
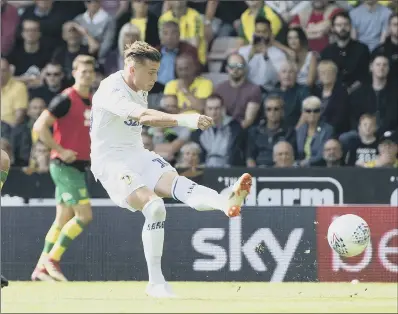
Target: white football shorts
pixel 121 177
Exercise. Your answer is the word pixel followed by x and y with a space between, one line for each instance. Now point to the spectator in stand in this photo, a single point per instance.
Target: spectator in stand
pixel 241 98
pixel 334 97
pixel 206 9
pixel 390 47
pixel 168 141
pixel 270 131
pixel 305 59
pixel 370 23
pixel 283 155
pixel 129 34
pixel 30 56
pixel 388 150
pixel 228 13
pixel 72 34
pixel 21 139
pixel 36 107
pixel 379 97
pixel 316 22
pixel 223 144
pixel 171 47
pixel 99 25
pixel 293 94
pixel 9 24
pixel 191 90
pixel 39 160
pixel 189 156
pixel 14 96
pixel 350 56
pixel 52 83
pixel 191 26
pixel 263 58
pixel 137 13
pixel 51 15
pixel 115 8
pixel 258 9
pixel 312 134
pixel 288 9
pixel 333 154
pixel 361 146
pixel 5 130
pixel 147 140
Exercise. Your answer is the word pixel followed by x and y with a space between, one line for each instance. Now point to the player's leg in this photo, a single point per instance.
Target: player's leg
pixel 203 198
pixel 5 167
pixel 128 190
pixel 74 194
pixel 154 211
pixel 64 213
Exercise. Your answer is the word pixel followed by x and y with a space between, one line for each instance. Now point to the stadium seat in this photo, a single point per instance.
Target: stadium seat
pixel 216 78
pixel 221 48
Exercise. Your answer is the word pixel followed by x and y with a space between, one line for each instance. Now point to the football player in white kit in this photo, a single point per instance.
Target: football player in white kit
pixel 138 179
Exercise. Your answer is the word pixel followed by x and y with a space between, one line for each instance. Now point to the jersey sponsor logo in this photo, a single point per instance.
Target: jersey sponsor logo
pixel 131 122
pixel 161 161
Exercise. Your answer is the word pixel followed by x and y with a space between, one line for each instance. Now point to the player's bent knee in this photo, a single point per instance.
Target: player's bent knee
pixel 155 209
pixel 63 215
pixel 84 213
pixel 140 197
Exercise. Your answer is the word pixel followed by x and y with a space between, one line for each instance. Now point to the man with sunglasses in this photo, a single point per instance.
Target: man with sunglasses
pixel 52 85
pixel 269 132
pixel 241 98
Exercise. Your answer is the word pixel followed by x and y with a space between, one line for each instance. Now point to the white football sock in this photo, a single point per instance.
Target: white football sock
pixel 153 237
pixel 197 196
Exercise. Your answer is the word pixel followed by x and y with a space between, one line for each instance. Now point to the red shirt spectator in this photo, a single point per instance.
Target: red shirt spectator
pixel 316 23
pixel 9 24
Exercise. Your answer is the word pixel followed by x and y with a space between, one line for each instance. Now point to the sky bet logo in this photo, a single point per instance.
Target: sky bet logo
pixel 291 191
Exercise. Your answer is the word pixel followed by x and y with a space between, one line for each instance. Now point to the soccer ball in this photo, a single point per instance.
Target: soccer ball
pixel 348 235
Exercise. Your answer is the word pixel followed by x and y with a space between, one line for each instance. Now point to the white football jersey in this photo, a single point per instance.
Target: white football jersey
pixel 113 133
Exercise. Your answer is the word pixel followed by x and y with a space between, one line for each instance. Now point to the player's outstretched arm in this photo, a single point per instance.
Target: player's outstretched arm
pixel 157 118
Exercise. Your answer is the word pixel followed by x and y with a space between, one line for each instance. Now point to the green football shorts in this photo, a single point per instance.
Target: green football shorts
pixel 70 184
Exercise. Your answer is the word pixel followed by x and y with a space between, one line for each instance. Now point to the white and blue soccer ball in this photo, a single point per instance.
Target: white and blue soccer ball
pixel 349 235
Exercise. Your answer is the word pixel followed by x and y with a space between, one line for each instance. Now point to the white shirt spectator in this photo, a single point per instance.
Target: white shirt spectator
pixel 101 27
pixel 263 71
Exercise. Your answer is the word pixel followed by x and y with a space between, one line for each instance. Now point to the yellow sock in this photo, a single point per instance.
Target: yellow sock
pixel 51 238
pixel 68 233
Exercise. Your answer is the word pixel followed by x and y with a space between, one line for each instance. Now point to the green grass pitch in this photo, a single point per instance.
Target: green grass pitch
pixel 200 297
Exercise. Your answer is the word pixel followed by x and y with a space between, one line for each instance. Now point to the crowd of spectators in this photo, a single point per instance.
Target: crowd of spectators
pixel 306 83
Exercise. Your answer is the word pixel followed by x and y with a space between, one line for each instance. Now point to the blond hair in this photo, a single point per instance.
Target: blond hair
pixel 127 28
pixel 83 59
pixel 312 100
pixel 140 51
